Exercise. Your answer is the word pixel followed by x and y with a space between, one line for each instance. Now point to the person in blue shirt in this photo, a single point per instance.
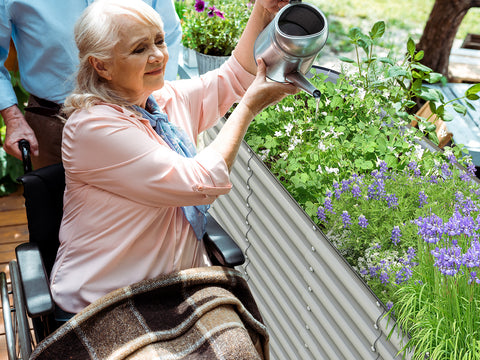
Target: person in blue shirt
pixel 42 32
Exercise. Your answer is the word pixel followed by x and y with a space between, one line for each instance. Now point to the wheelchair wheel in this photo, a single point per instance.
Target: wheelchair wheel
pixel 17 332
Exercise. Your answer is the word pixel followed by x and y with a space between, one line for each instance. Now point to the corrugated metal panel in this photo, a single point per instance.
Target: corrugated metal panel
pixel 314 304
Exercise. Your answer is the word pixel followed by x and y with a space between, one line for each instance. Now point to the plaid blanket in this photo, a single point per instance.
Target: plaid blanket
pixel 203 313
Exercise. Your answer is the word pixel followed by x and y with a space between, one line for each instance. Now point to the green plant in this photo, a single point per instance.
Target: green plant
pixel 414 237
pixel 359 120
pixel 214 28
pixel 10 167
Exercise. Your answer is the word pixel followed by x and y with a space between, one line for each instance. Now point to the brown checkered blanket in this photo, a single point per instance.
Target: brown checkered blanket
pixel 203 313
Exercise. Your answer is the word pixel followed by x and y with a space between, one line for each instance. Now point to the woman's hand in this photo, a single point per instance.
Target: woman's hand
pixel 272 6
pixel 259 95
pixel 263 92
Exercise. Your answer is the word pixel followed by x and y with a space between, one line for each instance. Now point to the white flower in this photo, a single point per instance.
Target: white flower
pixel 288 108
pixel 319 169
pixel 284 155
pixel 264 154
pixel 278 133
pixel 288 128
pixel 419 151
pixel 322 146
pixel 331 170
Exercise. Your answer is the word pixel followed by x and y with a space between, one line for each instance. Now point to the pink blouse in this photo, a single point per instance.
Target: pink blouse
pixel 122 220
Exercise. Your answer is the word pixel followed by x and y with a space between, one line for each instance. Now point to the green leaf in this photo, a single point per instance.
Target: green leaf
pixel 473 89
pixel 430 95
pixel 447 117
pixel 421 67
pixel 470 105
pixel 378 30
pixel 345 59
pixel 411 47
pixel 419 56
pixel 396 71
pixel 355 34
pixel 459 108
pixel 434 77
pixel 386 60
pixel 473 97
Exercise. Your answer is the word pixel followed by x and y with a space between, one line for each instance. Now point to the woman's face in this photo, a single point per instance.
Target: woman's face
pixel 139 60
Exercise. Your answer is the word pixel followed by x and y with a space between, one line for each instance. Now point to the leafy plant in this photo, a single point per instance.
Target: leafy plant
pixel 414 237
pixel 214 28
pixel 359 120
pixel 406 218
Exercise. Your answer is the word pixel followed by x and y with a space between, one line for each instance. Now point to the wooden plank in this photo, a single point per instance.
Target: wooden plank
pixel 13 234
pixel 13 217
pixel 12 201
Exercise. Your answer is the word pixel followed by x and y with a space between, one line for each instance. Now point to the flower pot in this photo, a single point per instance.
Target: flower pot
pixel 206 63
pixel 189 57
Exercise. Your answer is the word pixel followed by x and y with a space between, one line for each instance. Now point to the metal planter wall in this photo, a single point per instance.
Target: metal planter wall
pixel 314 304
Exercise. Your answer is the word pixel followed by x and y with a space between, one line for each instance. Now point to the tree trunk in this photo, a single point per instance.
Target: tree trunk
pixel 440 32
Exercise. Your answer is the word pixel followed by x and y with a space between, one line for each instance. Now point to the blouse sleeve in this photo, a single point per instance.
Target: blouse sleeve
pixel 120 153
pixel 204 99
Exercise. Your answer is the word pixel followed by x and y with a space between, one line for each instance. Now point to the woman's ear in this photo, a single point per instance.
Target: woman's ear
pixel 100 67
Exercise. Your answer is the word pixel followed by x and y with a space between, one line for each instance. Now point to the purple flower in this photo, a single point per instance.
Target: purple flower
pixel 392 201
pixel 200 5
pixel 422 199
pixel 384 277
pixel 389 305
pixel 445 170
pixel 459 225
pixel 346 219
pixel 362 221
pixel 471 258
pixel 328 205
pixel 473 278
pixel 356 191
pixel 403 275
pixel 211 11
pixel 430 228
pixel 451 158
pixel 220 14
pixel 376 190
pixel 448 260
pixel 396 235
pixel 471 169
pixel 321 214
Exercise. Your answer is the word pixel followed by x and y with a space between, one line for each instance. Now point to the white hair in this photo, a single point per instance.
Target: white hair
pixel 96 34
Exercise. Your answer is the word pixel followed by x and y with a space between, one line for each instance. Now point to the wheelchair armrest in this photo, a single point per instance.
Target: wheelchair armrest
pixel 35 284
pixel 221 248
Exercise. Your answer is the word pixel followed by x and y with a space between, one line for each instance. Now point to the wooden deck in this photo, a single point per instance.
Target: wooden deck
pixel 13 231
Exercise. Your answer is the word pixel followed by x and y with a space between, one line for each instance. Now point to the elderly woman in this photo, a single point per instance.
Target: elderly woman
pixel 136 190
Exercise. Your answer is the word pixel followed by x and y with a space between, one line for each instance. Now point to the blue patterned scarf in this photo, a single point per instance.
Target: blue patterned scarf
pixel 178 141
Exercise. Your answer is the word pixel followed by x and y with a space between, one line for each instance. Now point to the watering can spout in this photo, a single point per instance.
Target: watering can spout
pixel 300 81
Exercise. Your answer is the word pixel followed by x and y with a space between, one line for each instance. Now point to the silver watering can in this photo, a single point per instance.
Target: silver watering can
pixel 290 43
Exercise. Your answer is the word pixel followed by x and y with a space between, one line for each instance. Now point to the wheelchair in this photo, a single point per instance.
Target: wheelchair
pixel 29 273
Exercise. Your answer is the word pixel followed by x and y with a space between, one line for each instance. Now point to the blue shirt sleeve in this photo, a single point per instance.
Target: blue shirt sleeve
pixel 7 94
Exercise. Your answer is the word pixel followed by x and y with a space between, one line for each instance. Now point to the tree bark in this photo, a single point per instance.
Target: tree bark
pixel 440 31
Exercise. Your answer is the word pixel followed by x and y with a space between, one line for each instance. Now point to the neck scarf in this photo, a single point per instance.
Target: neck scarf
pixel 178 141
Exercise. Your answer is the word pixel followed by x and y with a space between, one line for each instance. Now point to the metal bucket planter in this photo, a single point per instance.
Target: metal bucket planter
pixel 206 63
pixel 314 304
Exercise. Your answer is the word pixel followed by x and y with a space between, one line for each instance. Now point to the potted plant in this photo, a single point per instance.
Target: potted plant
pixel 212 30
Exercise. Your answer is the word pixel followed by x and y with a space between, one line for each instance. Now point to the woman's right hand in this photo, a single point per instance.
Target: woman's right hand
pixel 263 92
